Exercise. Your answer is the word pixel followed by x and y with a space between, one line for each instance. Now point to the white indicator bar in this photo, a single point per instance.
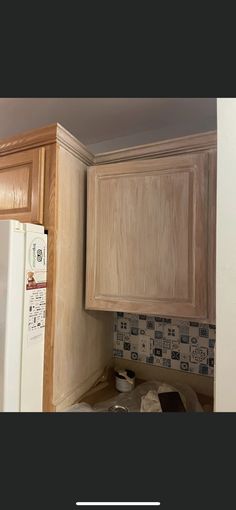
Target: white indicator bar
pixel 118 503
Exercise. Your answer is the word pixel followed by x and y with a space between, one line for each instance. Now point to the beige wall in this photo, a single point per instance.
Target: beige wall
pixel 225 373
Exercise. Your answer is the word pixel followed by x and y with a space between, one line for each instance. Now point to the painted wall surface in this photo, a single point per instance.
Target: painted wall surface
pixel 225 373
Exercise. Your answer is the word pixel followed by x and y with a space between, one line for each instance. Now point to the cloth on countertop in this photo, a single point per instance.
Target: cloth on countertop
pixel 150 403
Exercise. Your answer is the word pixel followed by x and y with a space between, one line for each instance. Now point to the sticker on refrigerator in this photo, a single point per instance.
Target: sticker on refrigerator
pixel 36 283
pixel 37 309
pixel 37 254
pixel 36 280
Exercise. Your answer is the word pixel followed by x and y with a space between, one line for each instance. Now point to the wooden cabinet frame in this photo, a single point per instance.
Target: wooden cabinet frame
pixel 41 149
pixel 133 161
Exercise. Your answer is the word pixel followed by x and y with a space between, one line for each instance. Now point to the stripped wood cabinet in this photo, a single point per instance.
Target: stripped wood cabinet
pixel 150 240
pixel 151 235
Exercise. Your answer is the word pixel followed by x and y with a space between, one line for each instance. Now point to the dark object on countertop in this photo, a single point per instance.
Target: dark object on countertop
pixel 130 373
pixel 171 402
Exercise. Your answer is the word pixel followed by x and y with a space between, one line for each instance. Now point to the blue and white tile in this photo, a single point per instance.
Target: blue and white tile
pixel 166 362
pixel 175 364
pixel 134 341
pixel 194 368
pixel 123 325
pixel 126 337
pixel 193 340
pixel 203 331
pixel 150 323
pixel 127 346
pixel 158 352
pixel 166 353
pixel 144 346
pixel 173 343
pixel 118 344
pixel 184 356
pixel 175 355
pixel 134 330
pixel 194 331
pixel 203 369
pixel 166 343
pixel 198 354
pixel 171 331
pixel 211 343
pixel 150 360
pixel 158 333
pixel 157 343
pixel 118 353
pixel 184 338
pixel 184 365
pixel 142 357
pixel 157 361
pixel 203 342
pixel 127 354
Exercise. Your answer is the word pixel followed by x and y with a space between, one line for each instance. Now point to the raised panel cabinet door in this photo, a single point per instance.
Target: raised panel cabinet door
pixel 147 230
pixel 22 185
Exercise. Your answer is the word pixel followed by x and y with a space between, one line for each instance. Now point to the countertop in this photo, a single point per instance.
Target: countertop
pixel 106 390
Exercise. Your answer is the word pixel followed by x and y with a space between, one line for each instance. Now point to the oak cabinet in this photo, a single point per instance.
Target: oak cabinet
pixel 43 180
pixel 150 229
pixel 150 240
pixel 22 185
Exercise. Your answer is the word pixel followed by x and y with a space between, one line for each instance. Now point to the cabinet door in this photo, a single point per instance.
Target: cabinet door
pixel 21 186
pixel 147 236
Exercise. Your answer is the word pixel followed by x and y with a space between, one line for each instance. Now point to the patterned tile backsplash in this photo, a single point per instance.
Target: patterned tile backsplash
pixel 171 343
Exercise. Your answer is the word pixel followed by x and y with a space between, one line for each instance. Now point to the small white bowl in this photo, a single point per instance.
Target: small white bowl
pixel 123 384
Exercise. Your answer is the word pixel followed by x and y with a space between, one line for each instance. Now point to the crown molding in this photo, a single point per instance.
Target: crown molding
pixel 72 144
pixel 53 133
pixel 29 139
pixel 174 146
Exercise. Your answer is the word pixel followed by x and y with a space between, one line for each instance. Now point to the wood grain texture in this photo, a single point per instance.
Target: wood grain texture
pixel 29 139
pixel 183 145
pixel 22 186
pixel 73 145
pixel 50 224
pixel 82 340
pixel 57 133
pixel 147 236
pixel 54 133
pixel 212 237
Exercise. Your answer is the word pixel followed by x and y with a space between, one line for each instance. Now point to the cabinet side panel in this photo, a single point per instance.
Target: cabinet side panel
pixel 82 339
pixel 212 237
pixel 50 224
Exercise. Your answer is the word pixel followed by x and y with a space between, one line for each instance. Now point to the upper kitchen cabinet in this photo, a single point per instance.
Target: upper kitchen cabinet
pixel 43 179
pixel 151 231
pixel 22 185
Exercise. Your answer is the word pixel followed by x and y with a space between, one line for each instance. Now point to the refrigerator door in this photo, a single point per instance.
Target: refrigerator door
pixel 12 263
pixel 23 275
pixel 35 278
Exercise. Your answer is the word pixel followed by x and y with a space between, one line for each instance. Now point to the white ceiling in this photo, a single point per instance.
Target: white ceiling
pixel 110 123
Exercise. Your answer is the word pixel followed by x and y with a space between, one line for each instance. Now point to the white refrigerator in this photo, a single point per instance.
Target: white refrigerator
pixel 23 281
